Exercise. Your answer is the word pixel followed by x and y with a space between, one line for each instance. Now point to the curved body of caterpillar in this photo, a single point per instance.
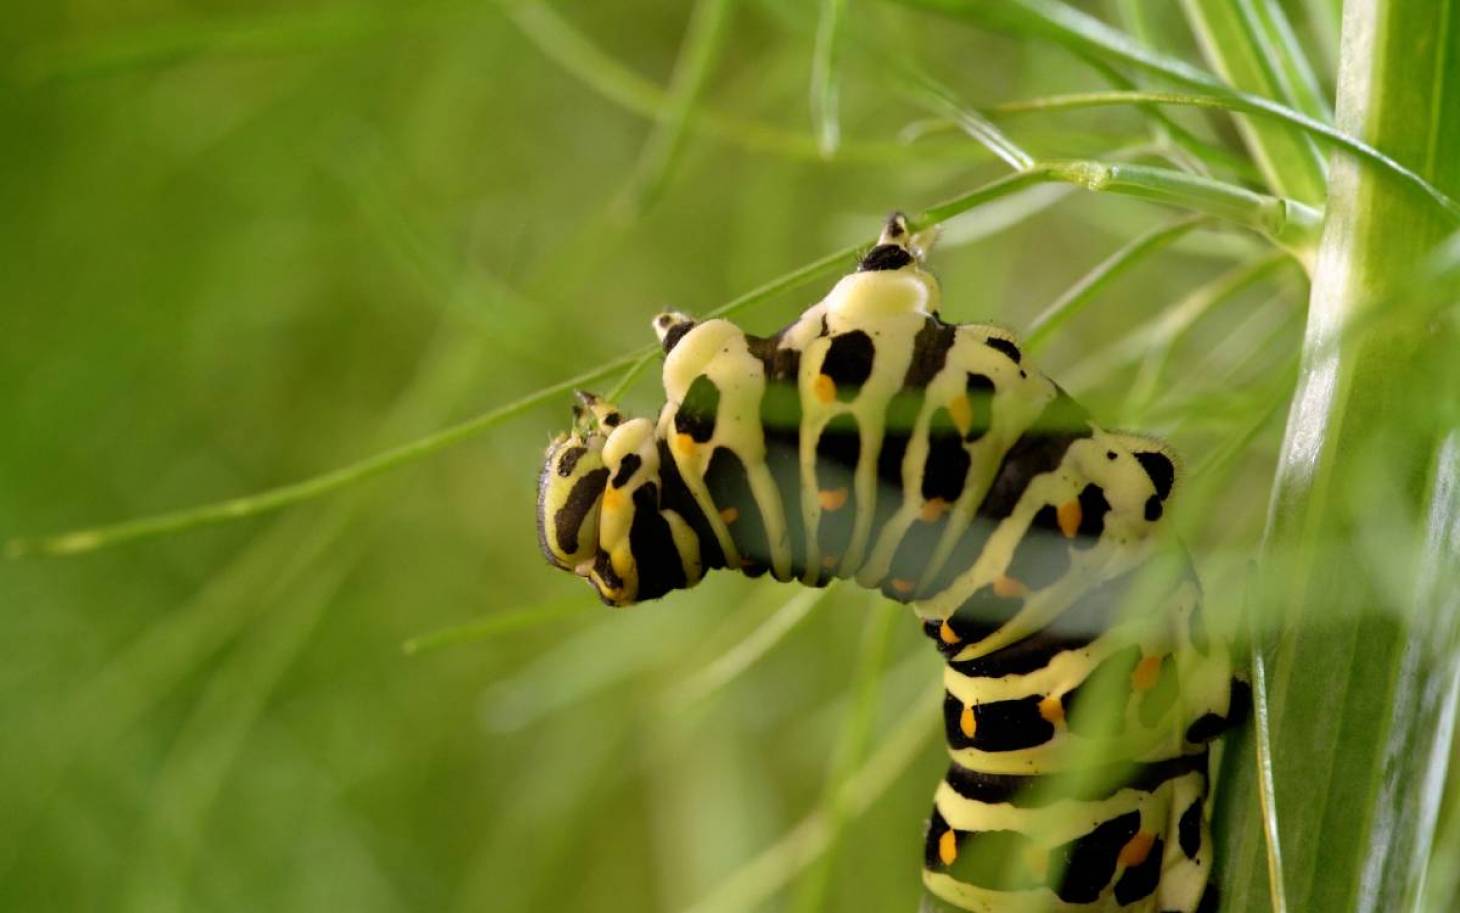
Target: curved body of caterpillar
pixel 870 440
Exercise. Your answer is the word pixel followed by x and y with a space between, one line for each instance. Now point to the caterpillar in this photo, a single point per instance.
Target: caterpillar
pixel 870 440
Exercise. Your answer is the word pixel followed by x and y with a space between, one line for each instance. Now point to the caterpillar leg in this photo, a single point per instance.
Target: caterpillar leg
pixel 1187 867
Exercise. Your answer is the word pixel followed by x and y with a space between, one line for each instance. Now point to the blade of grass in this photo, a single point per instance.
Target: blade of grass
pixel 825 118
pixel 1108 270
pixel 703 38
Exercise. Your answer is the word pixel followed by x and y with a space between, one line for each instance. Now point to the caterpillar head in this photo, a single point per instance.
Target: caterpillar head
pixel 890 278
pixel 570 486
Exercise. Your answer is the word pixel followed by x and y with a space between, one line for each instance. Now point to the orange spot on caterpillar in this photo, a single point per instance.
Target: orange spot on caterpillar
pixel 829 562
pixel 1146 672
pixel 966 723
pixel 729 515
pixel 962 412
pixel 824 388
pixel 613 499
pixel 902 586
pixel 933 508
pixel 684 445
pixel 832 498
pixel 1052 709
pixel 1070 515
pixel 946 634
pixel 1136 849
pixel 948 847
pixel 1009 588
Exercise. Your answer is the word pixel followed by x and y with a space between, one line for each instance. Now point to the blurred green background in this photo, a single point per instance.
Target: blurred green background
pixel 245 242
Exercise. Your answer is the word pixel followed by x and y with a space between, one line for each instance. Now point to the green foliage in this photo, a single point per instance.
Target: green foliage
pixel 246 243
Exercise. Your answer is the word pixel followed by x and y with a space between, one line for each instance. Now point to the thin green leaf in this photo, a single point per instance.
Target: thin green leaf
pixel 1262 755
pixel 604 74
pixel 275 498
pixel 1089 285
pixel 1076 31
pixel 702 40
pixel 1160 336
pixel 1247 53
pixel 496 625
pixel 732 662
pixel 1087 35
pixel 617 391
pixel 1333 135
pixel 1288 223
pixel 941 100
pixel 760 878
pixel 1299 77
pixel 851 746
pixel 825 117
pixel 1323 18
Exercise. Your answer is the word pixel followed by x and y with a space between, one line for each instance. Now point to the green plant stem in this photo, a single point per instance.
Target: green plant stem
pixel 1351 724
pixel 1337 137
pixel 1287 223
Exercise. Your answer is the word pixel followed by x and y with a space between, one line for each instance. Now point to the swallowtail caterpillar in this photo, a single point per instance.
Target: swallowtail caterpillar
pixel 870 440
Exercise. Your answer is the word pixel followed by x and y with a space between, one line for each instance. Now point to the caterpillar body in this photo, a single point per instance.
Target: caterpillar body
pixel 870 440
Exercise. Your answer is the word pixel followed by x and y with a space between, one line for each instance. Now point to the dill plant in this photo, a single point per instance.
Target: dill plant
pixel 1285 313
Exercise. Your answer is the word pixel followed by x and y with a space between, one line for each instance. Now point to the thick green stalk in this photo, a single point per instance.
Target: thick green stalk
pixel 1361 498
